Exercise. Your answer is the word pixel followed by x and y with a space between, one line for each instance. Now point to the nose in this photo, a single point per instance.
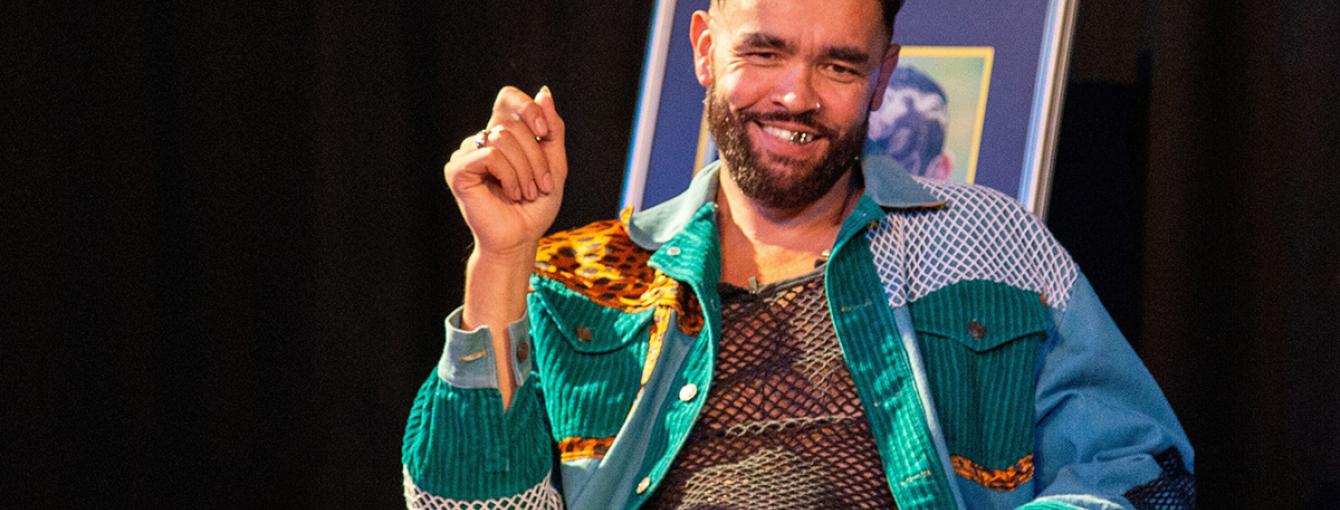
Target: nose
pixel 795 92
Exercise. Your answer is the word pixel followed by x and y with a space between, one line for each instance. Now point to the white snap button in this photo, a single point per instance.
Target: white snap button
pixel 672 251
pixel 688 392
pixel 644 484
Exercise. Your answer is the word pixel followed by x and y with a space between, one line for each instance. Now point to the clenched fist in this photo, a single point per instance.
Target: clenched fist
pixel 508 182
pixel 508 179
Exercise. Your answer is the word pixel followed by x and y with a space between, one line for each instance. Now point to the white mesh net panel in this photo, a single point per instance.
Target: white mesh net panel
pixel 980 234
pixel 543 495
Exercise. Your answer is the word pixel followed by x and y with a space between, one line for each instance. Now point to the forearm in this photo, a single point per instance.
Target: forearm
pixel 495 296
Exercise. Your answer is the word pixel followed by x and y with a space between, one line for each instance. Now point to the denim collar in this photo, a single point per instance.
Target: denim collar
pixel 885 183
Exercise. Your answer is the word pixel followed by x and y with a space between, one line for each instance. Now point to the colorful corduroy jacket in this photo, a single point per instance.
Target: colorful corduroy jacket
pixel 990 374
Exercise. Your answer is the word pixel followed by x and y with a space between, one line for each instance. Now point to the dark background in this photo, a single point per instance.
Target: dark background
pixel 228 250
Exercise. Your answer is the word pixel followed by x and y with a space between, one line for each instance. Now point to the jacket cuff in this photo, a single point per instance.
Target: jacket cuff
pixel 468 357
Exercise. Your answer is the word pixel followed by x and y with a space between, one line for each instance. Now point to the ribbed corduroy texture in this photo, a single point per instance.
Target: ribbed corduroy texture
pixel 592 382
pixel 459 443
pixel 692 257
pixel 983 387
pixel 881 369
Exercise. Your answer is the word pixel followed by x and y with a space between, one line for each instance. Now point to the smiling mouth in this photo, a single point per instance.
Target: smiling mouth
pixel 789 136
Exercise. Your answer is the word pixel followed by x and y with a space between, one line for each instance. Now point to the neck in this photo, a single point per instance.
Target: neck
pixel 770 244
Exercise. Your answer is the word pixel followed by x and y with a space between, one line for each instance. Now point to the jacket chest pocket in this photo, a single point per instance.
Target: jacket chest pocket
pixel 980 341
pixel 590 361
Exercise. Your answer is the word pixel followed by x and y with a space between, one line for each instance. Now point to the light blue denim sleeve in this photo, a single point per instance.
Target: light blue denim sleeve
pixel 468 359
pixel 1107 437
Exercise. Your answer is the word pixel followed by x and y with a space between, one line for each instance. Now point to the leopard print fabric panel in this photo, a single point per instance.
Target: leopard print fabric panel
pixel 601 263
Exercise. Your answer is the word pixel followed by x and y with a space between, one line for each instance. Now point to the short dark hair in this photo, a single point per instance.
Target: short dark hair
pixel 889 8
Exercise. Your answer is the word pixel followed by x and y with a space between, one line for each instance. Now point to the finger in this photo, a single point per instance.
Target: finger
pixel 538 165
pixel 553 146
pixel 513 104
pixel 470 142
pixel 479 166
pixel 509 145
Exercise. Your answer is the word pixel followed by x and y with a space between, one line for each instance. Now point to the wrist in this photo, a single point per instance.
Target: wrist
pixel 520 255
pixel 495 287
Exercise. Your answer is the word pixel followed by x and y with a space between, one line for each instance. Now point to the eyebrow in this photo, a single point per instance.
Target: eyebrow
pixel 762 40
pixel 848 54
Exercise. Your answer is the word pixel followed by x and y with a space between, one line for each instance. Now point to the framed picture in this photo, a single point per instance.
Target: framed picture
pixel 969 101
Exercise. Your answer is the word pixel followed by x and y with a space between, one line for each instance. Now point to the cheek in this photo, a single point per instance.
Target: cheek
pixel 846 105
pixel 744 87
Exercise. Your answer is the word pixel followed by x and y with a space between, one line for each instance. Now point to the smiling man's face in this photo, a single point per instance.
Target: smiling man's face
pixel 790 84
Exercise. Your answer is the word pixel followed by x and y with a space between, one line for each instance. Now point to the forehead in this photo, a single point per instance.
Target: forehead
pixel 826 22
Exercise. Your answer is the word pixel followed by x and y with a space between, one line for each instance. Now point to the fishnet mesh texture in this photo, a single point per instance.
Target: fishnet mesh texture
pixel 1174 489
pixel 783 426
pixel 980 234
pixel 542 496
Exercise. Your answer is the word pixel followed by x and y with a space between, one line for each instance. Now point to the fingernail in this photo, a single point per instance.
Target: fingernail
pixel 541 128
pixel 531 192
pixel 545 90
pixel 546 184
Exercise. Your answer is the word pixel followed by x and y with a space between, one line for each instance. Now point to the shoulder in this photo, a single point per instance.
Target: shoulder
pixel 972 202
pixel 597 261
pixel 977 234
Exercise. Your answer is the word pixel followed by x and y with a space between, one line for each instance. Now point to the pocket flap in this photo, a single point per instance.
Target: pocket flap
pixel 586 326
pixel 980 314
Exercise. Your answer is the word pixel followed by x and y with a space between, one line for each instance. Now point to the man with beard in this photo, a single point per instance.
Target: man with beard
pixel 800 328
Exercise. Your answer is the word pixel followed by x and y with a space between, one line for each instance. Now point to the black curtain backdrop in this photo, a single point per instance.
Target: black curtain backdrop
pixel 227 249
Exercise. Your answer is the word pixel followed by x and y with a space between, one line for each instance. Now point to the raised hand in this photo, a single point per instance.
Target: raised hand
pixel 508 179
pixel 508 182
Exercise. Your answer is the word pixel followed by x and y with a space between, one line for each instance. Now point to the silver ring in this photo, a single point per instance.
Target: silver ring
pixel 481 138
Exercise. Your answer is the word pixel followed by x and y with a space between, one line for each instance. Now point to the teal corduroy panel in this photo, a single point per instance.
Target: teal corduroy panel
pixel 980 341
pixel 882 371
pixel 591 377
pixel 692 257
pixel 459 443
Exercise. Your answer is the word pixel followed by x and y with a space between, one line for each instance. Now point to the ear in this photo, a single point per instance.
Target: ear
pixel 885 71
pixel 701 35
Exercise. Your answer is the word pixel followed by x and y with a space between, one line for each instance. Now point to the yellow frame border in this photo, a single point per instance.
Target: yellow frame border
pixel 988 56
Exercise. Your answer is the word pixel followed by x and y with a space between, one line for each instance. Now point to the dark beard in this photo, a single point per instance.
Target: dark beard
pixel 771 189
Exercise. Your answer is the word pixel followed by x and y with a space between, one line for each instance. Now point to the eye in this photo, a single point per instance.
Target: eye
pixel 761 56
pixel 843 73
pixel 840 69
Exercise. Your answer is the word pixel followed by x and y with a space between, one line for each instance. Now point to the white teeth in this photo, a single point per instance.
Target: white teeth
pixel 795 137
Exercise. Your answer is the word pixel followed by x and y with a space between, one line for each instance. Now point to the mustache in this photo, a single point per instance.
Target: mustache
pixel 806 118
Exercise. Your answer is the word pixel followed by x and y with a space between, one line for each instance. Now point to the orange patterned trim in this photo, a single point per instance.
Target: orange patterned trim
pixel 657 338
pixel 995 479
pixel 577 448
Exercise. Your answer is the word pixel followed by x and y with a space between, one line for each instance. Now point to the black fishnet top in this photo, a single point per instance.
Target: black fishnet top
pixel 782 426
